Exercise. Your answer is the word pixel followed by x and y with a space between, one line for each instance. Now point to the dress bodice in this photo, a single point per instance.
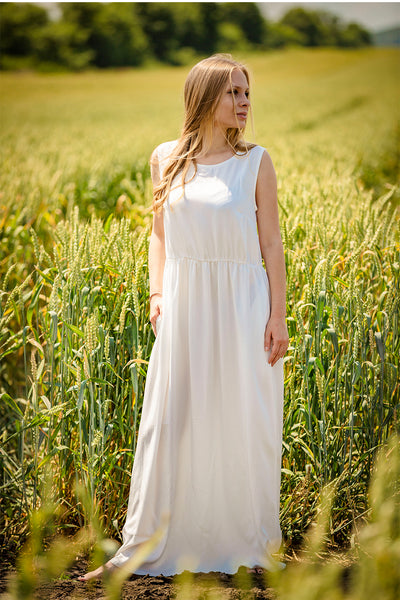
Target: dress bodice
pixel 214 216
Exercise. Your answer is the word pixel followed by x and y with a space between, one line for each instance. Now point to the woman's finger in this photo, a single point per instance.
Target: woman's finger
pixel 273 357
pixel 278 351
pixel 154 319
pixel 267 338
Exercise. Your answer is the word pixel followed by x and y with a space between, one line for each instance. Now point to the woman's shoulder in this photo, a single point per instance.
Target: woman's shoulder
pixel 260 154
pixel 163 150
pixel 256 149
pixel 159 158
pixel 255 153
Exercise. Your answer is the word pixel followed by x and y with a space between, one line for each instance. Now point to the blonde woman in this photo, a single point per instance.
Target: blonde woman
pixel 207 463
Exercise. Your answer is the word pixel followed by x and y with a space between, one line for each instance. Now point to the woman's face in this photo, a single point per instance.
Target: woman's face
pixel 232 110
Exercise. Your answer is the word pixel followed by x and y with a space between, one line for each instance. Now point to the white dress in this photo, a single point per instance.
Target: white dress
pixel 210 437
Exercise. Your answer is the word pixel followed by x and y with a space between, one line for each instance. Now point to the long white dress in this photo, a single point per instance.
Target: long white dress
pixel 210 438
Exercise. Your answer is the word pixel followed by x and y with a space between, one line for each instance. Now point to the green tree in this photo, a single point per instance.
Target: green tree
pixel 114 33
pixel 247 17
pixel 231 38
pixel 188 24
pixel 330 28
pixel 82 14
pixel 204 27
pixel 321 28
pixel 354 36
pixel 63 43
pixel 157 20
pixel 279 36
pixel 209 12
pixel 172 27
pixel 117 36
pixel 308 23
pixel 19 22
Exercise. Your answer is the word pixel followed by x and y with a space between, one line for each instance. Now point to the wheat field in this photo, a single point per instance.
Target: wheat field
pixel 74 227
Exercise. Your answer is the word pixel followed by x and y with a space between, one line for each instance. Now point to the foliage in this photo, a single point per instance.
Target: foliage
pixel 354 36
pixel 18 26
pixel 62 43
pixel 247 17
pixel 280 35
pixel 305 22
pixel 115 34
pixel 320 28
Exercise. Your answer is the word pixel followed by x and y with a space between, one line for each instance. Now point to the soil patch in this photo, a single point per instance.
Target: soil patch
pixel 204 586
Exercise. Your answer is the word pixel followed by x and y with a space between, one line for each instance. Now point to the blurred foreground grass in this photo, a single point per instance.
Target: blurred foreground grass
pixel 368 568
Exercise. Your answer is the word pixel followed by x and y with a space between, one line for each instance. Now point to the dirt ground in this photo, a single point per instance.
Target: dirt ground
pixel 206 586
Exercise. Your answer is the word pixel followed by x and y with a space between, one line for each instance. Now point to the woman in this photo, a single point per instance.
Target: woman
pixel 209 446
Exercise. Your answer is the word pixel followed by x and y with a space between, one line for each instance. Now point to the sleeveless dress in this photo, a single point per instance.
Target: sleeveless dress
pixel 209 445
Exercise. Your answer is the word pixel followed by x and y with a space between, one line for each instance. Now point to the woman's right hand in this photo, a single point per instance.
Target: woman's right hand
pixel 155 310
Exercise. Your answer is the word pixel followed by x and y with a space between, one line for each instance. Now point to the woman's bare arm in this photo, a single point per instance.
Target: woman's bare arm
pixel 272 253
pixel 156 252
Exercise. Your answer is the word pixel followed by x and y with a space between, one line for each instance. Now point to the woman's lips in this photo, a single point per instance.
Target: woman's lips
pixel 242 115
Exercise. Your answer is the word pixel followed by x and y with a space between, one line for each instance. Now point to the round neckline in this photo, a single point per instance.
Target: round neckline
pixel 216 164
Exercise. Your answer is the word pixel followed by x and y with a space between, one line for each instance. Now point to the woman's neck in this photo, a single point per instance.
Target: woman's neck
pixel 217 146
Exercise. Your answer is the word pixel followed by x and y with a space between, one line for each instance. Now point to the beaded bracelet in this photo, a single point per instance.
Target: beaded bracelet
pixel 155 294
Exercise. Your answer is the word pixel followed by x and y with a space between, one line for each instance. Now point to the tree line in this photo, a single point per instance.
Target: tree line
pixel 94 34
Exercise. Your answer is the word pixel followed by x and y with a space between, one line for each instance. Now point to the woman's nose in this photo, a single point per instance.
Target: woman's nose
pixel 244 101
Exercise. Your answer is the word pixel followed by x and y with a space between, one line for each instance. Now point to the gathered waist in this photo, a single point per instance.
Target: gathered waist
pixel 220 260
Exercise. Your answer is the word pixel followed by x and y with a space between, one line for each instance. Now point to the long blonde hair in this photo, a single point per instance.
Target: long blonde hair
pixel 203 89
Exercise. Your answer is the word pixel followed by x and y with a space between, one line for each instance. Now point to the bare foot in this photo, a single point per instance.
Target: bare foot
pixel 257 569
pixel 98 573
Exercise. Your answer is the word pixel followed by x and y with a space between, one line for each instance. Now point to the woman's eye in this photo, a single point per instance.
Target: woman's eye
pixel 247 94
pixel 235 92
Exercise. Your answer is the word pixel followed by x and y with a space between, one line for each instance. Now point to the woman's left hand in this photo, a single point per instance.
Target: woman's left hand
pixel 276 338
